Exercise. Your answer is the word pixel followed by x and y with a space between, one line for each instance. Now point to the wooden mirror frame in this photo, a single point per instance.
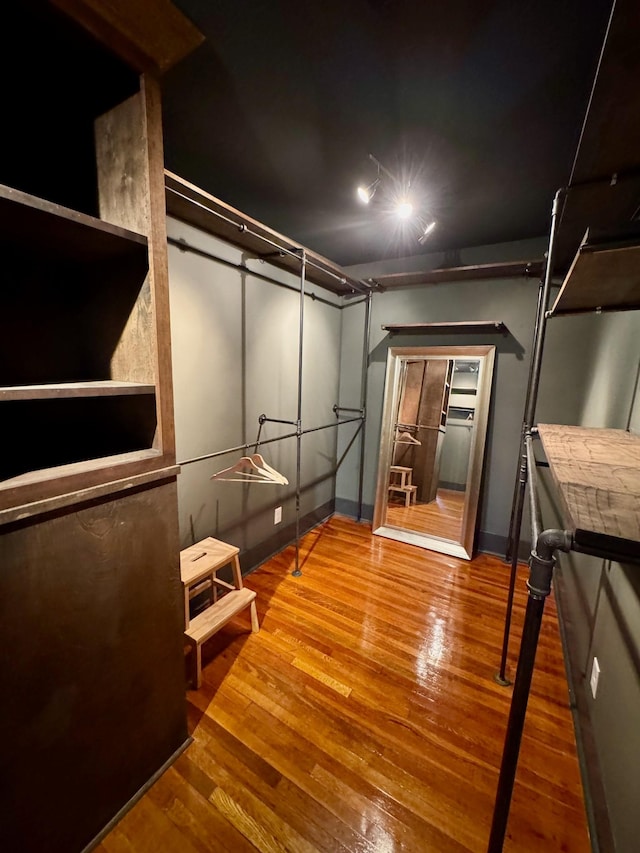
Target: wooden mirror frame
pixel 396 357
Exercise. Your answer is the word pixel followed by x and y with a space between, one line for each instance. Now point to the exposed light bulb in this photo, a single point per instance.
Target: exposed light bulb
pixel 404 208
pixel 364 195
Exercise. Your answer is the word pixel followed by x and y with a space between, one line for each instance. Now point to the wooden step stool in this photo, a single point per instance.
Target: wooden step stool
pixel 199 565
pixel 400 481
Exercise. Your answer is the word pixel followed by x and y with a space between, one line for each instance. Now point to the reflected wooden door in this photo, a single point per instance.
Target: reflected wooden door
pixel 423 408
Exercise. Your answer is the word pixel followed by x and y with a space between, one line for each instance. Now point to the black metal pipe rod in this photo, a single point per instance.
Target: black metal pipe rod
pixel 529 415
pixel 501 676
pixel 187 247
pixel 328 426
pixel 539 344
pixel 534 509
pixel 303 270
pixel 259 443
pixel 263 419
pixel 541 565
pixel 515 725
pixel 295 252
pixel 536 328
pixel 363 399
pixel 235 449
pixel 337 409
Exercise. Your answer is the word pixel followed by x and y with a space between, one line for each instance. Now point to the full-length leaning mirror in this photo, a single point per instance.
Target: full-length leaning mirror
pixel 434 423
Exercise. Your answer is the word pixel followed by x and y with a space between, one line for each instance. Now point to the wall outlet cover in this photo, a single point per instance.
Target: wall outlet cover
pixel 277 515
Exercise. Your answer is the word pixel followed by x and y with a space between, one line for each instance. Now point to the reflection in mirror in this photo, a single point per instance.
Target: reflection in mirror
pixel 434 424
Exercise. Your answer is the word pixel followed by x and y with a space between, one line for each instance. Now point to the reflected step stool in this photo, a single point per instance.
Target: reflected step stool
pixel 400 481
pixel 199 565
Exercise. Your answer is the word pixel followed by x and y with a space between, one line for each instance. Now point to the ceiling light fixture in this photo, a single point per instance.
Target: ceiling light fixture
pixel 365 194
pixel 425 232
pixel 401 203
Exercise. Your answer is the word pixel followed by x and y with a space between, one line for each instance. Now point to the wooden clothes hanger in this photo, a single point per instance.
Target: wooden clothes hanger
pixel 406 438
pixel 276 475
pixel 251 469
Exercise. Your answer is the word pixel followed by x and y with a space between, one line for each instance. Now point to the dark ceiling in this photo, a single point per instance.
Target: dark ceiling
pixel 479 104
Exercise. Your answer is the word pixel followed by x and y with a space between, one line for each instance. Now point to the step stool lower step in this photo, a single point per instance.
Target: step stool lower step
pixel 206 624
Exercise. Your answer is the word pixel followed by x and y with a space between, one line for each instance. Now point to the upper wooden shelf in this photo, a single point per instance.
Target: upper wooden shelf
pixel 33 225
pixel 465 326
pixel 442 275
pixel 604 275
pixel 597 473
pixel 194 206
pixel 150 35
pixel 106 388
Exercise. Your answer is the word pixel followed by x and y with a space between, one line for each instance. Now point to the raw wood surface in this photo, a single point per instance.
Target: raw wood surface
pixel 148 34
pixel 602 279
pixel 364 716
pixel 597 472
pixel 205 624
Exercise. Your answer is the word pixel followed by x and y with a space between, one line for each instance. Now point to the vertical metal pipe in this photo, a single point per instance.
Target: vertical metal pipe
pixel 529 416
pixel 526 660
pixel 541 566
pixel 303 271
pixel 363 396
pixel 501 675
pixel 532 399
pixel 512 523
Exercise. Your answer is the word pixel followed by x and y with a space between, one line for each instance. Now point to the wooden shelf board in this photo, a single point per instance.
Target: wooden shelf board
pixel 465 326
pixel 196 207
pixel 33 225
pixel 442 275
pixel 151 36
pixel 601 278
pixel 597 473
pixel 14 512
pixel 106 388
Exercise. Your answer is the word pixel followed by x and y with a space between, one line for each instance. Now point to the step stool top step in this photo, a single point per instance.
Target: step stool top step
pixel 205 557
pixel 205 624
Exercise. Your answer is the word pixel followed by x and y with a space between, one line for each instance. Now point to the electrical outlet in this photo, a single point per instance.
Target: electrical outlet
pixel 595 675
pixel 277 515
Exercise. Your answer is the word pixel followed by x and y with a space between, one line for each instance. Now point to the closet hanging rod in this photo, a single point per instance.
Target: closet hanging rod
pixel 333 424
pixel 337 409
pixel 242 447
pixel 187 247
pixel 236 449
pixel 263 419
pixel 294 253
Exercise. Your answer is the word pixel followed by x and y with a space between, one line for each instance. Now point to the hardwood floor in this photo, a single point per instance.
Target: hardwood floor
pixel 364 717
pixel 441 517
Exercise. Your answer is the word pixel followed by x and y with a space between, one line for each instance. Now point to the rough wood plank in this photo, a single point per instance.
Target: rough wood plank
pixel 597 472
pixel 602 279
pixel 462 326
pixel 106 388
pixel 150 35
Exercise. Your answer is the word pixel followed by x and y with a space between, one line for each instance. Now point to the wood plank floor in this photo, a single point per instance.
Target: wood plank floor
pixel 441 517
pixel 364 718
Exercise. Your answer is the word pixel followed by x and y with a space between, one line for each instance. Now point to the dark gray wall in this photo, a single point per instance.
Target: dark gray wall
pixel 235 340
pixel 511 300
